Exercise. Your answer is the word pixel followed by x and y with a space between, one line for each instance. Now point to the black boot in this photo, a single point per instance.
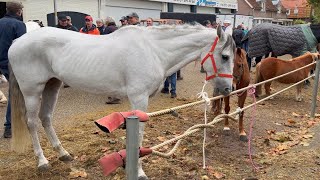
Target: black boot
pixel 7 132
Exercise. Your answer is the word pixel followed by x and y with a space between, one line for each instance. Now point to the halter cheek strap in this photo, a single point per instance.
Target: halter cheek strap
pixel 214 66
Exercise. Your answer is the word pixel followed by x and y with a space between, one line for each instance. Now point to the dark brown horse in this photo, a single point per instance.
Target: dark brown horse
pixel 241 79
pixel 272 67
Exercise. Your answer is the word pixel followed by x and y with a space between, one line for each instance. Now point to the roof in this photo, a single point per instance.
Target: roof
pixel 294 3
pixel 304 10
pixel 270 6
pixel 256 5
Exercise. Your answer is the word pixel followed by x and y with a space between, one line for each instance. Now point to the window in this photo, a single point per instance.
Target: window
pixel 263 6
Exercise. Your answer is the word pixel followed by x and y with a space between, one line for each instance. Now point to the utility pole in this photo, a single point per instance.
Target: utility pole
pixel 55 12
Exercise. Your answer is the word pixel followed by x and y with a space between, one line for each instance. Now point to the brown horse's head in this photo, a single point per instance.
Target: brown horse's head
pixel 240 69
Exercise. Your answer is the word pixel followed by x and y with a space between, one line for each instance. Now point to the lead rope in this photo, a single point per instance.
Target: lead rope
pixel 204 96
pixel 251 92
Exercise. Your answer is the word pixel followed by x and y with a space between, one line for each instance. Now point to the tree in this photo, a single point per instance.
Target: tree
pixel 316 7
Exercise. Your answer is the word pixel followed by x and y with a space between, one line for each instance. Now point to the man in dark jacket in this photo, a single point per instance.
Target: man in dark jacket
pixel 63 23
pixel 238 35
pixel 11 28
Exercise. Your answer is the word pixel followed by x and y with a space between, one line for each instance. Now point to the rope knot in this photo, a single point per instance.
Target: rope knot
pixel 204 95
pixel 252 90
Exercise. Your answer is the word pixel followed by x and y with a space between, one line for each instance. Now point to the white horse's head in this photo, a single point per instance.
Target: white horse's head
pixel 31 26
pixel 219 68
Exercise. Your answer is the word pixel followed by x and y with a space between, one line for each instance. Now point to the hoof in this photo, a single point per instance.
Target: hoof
pixel 226 131
pixel 243 138
pixel 66 158
pixel 143 178
pixel 44 167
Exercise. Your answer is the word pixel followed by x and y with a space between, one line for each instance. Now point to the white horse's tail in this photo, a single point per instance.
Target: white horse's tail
pixel 20 132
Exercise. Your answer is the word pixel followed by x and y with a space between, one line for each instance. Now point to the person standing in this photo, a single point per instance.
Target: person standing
pixel 124 21
pixel 149 21
pixel 11 28
pixel 227 27
pixel 101 26
pixel 237 36
pixel 69 20
pixel 133 19
pixel 111 25
pixel 89 28
pixel 64 24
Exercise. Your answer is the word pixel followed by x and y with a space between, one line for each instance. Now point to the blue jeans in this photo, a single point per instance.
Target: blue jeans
pixel 7 123
pixel 173 81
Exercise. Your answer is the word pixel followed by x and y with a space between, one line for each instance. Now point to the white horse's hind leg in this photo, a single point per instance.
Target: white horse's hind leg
pixel 32 104
pixel 140 103
pixel 49 99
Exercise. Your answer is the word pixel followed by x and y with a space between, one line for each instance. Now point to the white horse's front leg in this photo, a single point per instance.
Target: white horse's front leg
pixel 140 102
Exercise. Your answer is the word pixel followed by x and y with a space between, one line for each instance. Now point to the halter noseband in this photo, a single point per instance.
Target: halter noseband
pixel 214 66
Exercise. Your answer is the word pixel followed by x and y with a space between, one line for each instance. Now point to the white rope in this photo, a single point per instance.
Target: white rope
pixel 205 97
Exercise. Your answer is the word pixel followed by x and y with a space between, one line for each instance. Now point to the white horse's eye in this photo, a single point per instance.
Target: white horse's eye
pixel 225 57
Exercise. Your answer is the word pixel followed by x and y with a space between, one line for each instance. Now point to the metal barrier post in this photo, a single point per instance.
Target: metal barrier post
pixel 315 89
pixel 132 147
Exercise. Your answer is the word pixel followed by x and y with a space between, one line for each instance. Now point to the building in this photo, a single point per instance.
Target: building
pixel 297 9
pixel 263 11
pixel 44 9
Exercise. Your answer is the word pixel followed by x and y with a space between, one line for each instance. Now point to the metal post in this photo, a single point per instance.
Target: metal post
pixel 315 89
pixel 55 11
pixel 132 147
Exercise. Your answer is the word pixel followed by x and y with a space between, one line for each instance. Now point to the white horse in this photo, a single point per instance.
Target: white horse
pixel 132 62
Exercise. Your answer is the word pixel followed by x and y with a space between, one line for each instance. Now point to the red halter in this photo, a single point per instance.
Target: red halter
pixel 210 54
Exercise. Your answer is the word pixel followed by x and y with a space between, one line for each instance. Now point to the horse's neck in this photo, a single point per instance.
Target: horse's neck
pixel 181 50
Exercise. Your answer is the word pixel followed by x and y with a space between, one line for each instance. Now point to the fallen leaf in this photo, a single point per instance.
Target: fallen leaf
pixel 295 114
pixel 83 158
pixel 205 177
pixel 105 149
pixel 218 175
pixel 307 136
pixel 282 147
pixel 304 144
pixel 291 121
pixel 160 138
pixel 75 173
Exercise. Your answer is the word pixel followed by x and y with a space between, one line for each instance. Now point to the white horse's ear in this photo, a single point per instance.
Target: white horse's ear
pixel 220 31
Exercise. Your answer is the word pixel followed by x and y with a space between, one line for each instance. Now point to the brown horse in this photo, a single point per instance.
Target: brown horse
pixel 241 79
pixel 272 67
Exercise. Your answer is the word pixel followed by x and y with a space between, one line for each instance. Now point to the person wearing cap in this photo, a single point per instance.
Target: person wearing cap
pixel 90 28
pixel 227 28
pixel 64 24
pixel 11 28
pixel 124 21
pixel 133 19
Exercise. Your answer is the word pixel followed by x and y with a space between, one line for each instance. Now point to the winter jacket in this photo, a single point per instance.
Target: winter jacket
pixel 110 28
pixel 11 28
pixel 68 27
pixel 93 30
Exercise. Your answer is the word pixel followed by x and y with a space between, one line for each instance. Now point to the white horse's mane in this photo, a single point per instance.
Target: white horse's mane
pixel 167 31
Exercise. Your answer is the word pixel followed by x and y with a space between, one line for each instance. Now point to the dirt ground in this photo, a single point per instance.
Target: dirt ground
pixel 285 141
